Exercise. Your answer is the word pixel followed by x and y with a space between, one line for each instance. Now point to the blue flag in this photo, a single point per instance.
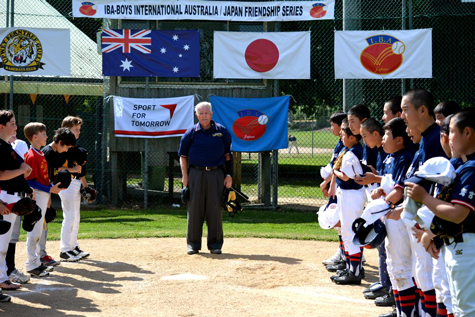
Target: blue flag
pixel 257 124
pixel 143 53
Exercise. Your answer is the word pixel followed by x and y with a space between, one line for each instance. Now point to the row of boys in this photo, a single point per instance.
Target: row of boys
pixel 412 274
pixel 30 173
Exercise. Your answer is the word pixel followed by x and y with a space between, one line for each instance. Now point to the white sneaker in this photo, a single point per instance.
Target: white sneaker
pixel 18 277
pixel 69 256
pixel 80 253
pixel 334 258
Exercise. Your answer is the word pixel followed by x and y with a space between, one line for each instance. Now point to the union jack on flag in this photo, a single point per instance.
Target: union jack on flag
pixel 127 40
pixel 142 53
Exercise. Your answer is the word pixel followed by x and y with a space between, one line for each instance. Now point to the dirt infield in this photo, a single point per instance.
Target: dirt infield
pixel 155 277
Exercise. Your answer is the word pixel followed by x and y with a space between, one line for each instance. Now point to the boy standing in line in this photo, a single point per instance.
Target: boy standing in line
pixel 35 132
pixel 75 162
pixel 13 187
pixel 349 190
pixel 62 141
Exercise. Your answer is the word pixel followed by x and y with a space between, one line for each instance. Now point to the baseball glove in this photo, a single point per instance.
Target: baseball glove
pixel 185 195
pixel 88 194
pixel 22 207
pixel 230 203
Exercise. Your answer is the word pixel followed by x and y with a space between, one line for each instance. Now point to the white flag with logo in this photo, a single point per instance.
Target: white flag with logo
pixel 383 54
pixel 272 55
pixel 30 51
pixel 152 118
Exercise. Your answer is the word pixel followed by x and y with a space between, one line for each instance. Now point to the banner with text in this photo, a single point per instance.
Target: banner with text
pixel 256 124
pixel 206 10
pixel 152 118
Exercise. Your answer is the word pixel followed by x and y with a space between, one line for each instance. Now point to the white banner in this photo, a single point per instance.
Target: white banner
pixel 152 118
pixel 383 54
pixel 271 55
pixel 30 51
pixel 205 10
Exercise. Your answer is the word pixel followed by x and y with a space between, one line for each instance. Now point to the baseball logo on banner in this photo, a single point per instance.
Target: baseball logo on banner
pixel 383 55
pixel 152 118
pixel 257 124
pixel 250 125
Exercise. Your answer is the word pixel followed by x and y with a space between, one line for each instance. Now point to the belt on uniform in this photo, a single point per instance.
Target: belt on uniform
pixel 207 168
pixel 19 194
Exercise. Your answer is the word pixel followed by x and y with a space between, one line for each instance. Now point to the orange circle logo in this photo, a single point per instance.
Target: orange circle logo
pixel 383 55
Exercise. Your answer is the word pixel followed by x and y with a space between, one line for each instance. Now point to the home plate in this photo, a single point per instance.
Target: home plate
pixel 187 276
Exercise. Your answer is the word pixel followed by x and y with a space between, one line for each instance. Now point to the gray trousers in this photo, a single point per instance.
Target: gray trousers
pixel 206 192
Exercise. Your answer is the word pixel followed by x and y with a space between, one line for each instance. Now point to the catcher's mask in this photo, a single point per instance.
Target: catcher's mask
pixel 185 195
pixel 230 202
pixel 4 225
pixel 371 236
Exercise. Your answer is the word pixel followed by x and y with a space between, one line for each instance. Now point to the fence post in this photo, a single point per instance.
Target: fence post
pixel 351 21
pixel 145 163
pixel 275 178
pixel 12 23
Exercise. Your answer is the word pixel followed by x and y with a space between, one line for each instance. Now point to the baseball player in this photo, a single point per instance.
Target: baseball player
pixel 35 132
pixel 372 132
pixel 62 141
pixel 335 126
pixel 13 187
pixel 349 190
pixel 459 249
pixel 75 163
pixel 15 275
pixel 395 142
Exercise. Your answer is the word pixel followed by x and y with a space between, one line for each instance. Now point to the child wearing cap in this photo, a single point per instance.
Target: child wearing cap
pixel 349 190
pixel 35 132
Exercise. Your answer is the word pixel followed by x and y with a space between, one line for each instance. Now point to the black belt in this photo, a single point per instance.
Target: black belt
pixel 20 194
pixel 207 168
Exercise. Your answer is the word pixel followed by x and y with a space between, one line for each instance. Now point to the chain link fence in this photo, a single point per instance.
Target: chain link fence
pixel 147 173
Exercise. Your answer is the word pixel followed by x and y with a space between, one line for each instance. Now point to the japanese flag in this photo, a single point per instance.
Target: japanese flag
pixel 271 55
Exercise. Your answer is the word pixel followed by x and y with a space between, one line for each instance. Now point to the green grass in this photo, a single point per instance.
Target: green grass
pixel 171 222
pixel 321 139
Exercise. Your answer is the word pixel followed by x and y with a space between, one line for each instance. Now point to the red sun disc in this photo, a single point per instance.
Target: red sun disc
pixel 262 55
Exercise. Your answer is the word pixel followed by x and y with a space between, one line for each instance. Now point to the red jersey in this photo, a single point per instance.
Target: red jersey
pixel 36 160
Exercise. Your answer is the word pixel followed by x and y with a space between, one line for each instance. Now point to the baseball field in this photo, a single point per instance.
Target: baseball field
pixel 155 277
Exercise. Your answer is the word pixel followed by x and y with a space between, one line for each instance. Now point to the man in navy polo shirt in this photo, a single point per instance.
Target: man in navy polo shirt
pixel 206 165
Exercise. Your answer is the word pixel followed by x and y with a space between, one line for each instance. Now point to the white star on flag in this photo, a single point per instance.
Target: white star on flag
pixel 163 50
pixel 179 55
pixel 175 69
pixel 126 65
pixel 175 37
pixel 186 47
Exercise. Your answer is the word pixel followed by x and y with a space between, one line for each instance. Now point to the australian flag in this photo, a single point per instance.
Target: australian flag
pixel 143 53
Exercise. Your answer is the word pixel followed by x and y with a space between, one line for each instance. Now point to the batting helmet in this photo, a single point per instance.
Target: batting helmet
pixel 370 236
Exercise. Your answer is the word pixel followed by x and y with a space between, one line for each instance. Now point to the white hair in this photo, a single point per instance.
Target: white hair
pixel 203 104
